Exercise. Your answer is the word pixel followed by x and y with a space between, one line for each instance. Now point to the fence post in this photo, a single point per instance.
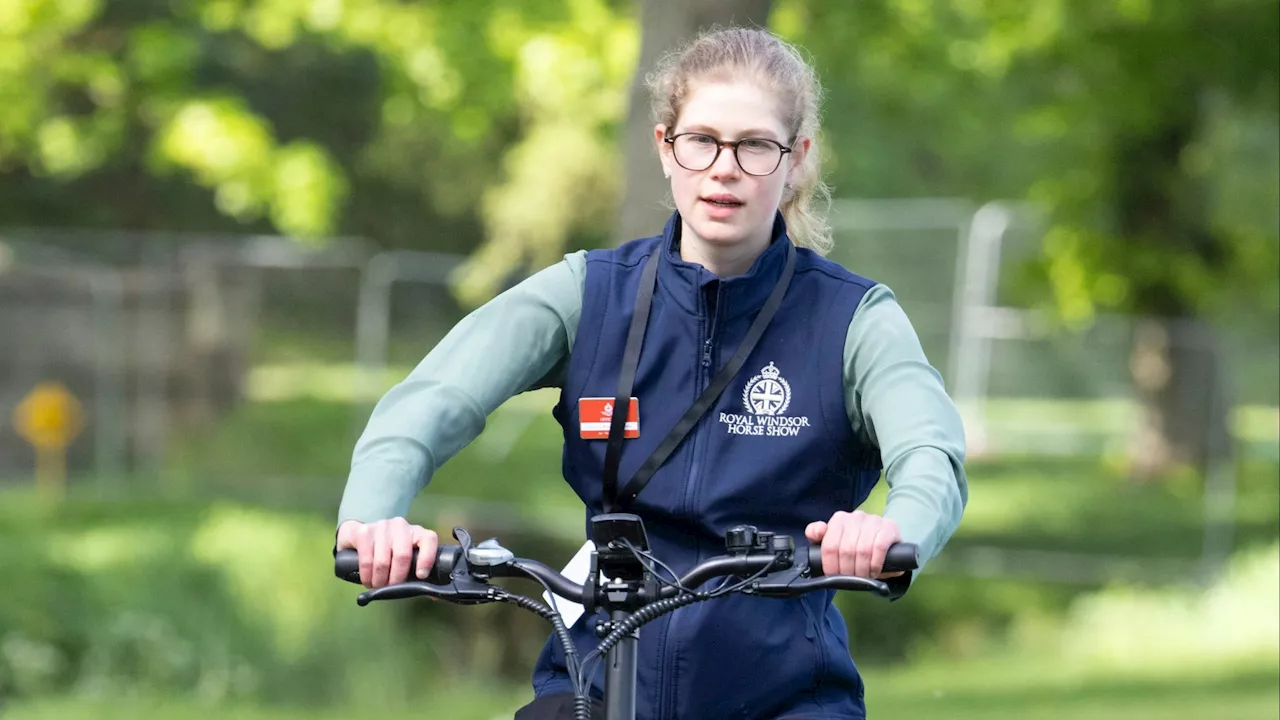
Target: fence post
pixel 107 289
pixel 978 275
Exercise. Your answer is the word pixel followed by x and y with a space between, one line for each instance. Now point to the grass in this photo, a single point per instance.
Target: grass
pixel 1005 692
pixel 961 692
pixel 477 702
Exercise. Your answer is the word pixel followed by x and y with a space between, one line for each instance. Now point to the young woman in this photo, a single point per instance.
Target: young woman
pixel 836 389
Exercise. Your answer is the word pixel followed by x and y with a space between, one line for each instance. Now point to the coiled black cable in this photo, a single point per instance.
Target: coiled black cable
pixel 644 615
pixel 557 623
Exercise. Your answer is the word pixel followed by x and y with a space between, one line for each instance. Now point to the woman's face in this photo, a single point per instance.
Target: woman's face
pixel 723 204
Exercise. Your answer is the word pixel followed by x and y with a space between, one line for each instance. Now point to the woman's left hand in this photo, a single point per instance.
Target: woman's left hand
pixel 855 543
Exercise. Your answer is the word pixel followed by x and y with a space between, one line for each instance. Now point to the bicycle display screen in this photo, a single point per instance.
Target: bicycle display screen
pixel 609 527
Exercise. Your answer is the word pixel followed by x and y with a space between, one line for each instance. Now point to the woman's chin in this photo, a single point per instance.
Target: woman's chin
pixel 718 233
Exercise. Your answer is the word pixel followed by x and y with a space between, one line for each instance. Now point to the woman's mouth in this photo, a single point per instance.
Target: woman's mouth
pixel 720 207
pixel 725 201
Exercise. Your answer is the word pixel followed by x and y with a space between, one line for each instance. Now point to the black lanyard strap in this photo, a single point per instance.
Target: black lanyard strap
pixel 627 377
pixel 626 380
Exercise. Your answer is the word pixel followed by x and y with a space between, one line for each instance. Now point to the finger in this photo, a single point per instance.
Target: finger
pixel 831 544
pixel 401 538
pixel 381 555
pixel 886 535
pixel 362 541
pixel 815 531
pixel 865 546
pixel 849 540
pixel 427 543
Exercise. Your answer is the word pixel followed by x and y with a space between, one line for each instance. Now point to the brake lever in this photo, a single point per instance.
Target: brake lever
pixel 800 585
pixel 795 581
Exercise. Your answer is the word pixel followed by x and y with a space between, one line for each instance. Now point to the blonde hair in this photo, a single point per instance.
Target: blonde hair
pixel 720 54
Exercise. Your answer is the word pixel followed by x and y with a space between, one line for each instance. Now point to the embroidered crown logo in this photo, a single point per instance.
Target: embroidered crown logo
pixel 607 411
pixel 767 393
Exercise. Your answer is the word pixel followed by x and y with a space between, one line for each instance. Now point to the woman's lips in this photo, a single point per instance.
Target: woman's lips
pixel 720 207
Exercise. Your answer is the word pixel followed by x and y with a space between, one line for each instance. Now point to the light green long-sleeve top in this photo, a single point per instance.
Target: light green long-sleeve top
pixel 521 340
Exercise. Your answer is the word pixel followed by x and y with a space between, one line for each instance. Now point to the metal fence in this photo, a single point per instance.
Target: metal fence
pixel 946 260
pixel 154 334
pixel 1027 387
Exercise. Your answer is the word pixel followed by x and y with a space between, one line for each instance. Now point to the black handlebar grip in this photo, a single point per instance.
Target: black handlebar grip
pixel 346 565
pixel 901 557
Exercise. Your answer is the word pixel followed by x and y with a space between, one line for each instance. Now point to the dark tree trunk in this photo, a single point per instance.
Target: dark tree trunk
pixel 665 24
pixel 1176 362
pixel 1178 378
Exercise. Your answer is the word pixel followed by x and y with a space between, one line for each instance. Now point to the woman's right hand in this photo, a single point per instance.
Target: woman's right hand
pixel 386 549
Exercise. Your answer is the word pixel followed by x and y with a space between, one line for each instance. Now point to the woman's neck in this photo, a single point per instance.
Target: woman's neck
pixel 723 261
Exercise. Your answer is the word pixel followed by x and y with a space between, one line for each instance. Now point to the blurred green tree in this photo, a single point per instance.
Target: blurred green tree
pixel 1146 129
pixel 416 124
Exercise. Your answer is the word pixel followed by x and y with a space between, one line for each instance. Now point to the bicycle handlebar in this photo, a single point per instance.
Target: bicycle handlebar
pixel 447 572
pixel 624 578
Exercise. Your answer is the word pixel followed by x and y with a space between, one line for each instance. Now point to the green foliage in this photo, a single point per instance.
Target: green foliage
pixel 1150 139
pixel 105 88
pixel 229 149
pixel 561 176
pixel 216 604
pixel 371 117
pixel 1147 135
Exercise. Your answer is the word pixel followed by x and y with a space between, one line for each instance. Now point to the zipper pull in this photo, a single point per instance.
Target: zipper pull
pixel 713 304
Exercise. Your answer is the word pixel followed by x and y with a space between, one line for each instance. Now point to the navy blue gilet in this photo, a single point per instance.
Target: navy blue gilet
pixel 776 451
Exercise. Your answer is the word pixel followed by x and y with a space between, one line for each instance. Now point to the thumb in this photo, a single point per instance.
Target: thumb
pixel 816 531
pixel 346 536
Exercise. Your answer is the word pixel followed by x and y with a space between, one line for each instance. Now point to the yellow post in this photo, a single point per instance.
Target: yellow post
pixel 51 472
pixel 49 418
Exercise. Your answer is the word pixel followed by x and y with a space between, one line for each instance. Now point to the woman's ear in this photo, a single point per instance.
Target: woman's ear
pixel 664 148
pixel 799 151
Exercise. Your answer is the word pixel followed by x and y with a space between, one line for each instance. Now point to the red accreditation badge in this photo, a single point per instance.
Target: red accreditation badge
pixel 596 414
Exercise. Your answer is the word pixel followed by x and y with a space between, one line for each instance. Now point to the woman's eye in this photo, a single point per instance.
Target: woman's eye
pixel 701 140
pixel 755 145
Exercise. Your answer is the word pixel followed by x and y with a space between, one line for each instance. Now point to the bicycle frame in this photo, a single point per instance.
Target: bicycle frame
pixel 620 675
